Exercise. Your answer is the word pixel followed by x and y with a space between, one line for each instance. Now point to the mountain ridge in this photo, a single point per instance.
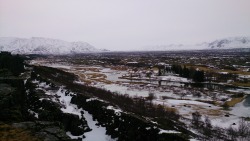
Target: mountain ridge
pixel 225 43
pixel 40 45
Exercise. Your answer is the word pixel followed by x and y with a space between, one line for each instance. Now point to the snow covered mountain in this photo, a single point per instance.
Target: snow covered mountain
pixel 230 43
pixel 38 45
pixel 227 43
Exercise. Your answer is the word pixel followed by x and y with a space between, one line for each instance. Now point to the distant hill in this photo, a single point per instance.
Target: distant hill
pixel 39 45
pixel 226 43
pixel 230 43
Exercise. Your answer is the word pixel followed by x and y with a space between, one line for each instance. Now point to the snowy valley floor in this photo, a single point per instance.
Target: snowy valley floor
pixel 169 95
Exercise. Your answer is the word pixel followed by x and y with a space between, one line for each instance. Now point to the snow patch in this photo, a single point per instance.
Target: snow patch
pixel 33 113
pixel 169 131
pixel 117 111
pixel 72 136
pixel 98 133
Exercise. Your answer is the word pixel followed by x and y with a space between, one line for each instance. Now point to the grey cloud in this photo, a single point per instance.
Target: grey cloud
pixel 125 24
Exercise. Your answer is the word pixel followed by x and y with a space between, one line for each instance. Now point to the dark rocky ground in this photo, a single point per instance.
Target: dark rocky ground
pixel 16 123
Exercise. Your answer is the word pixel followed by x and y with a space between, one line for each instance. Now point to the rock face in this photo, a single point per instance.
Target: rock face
pixel 45 109
pixel 11 102
pixel 21 102
pixel 15 105
pixel 48 131
pixel 38 45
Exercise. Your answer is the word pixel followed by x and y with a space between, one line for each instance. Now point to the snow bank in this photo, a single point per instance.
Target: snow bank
pixel 169 131
pixel 98 133
pixel 173 78
pixel 117 111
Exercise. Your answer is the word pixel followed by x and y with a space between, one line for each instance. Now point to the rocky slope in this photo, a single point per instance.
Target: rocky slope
pixel 38 45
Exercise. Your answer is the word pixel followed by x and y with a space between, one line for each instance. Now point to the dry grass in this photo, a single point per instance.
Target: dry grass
pixel 87 69
pixel 200 68
pixel 171 109
pixel 9 133
pixel 82 76
pixel 241 84
pixel 204 111
pixel 96 75
pixel 236 72
pixel 88 78
pixel 212 112
pixel 234 101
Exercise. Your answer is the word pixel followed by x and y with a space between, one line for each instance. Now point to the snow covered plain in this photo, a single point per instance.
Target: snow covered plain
pixel 173 91
pixel 184 107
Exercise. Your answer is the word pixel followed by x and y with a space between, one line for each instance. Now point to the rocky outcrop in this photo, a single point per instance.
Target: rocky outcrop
pixel 47 131
pixel 48 110
pixel 20 106
pixel 12 102
pixel 121 125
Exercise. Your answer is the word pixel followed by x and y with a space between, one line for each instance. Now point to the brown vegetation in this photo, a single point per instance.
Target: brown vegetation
pixel 234 101
pixel 9 133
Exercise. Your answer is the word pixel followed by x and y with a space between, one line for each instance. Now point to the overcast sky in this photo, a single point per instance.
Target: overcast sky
pixel 126 24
